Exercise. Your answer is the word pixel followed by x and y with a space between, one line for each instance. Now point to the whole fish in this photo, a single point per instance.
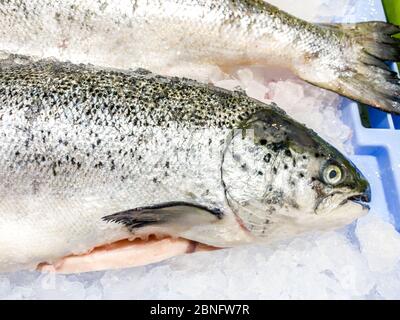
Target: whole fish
pixel 92 156
pixel 160 34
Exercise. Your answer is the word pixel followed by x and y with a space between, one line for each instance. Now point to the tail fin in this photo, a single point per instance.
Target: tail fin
pixel 368 79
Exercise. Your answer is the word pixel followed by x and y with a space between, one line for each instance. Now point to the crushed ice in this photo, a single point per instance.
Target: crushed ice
pixel 305 103
pixel 359 261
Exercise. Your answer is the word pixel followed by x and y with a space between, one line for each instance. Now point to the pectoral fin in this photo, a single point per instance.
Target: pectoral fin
pixel 205 224
pixel 177 215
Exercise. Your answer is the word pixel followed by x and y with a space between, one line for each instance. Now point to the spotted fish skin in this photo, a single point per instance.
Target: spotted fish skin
pixel 80 143
pixel 184 36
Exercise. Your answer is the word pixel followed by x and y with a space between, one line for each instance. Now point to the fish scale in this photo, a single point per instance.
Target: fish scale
pixel 90 156
pixel 178 37
pixel 101 154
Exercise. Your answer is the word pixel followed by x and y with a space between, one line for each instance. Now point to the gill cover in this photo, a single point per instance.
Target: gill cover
pixel 256 155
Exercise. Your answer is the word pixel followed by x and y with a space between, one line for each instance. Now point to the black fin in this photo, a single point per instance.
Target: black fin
pixel 376 37
pixel 174 214
pixel 369 80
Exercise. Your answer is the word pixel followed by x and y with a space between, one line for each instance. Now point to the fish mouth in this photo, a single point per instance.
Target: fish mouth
pixel 362 199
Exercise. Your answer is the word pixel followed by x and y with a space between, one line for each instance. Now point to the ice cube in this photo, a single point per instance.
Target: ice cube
pixel 380 243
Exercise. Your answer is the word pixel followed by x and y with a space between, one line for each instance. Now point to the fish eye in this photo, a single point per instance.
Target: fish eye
pixel 332 174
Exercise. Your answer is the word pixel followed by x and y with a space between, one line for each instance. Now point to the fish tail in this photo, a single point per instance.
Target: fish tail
pixel 367 78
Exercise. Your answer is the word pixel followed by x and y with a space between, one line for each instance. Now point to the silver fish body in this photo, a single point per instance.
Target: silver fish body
pixel 90 156
pixel 163 34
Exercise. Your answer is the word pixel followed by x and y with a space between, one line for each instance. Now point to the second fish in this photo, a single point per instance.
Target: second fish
pixel 158 34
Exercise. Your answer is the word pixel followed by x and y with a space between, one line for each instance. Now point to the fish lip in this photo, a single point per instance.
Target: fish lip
pixel 365 196
pixel 364 204
pixel 362 199
pixel 361 203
